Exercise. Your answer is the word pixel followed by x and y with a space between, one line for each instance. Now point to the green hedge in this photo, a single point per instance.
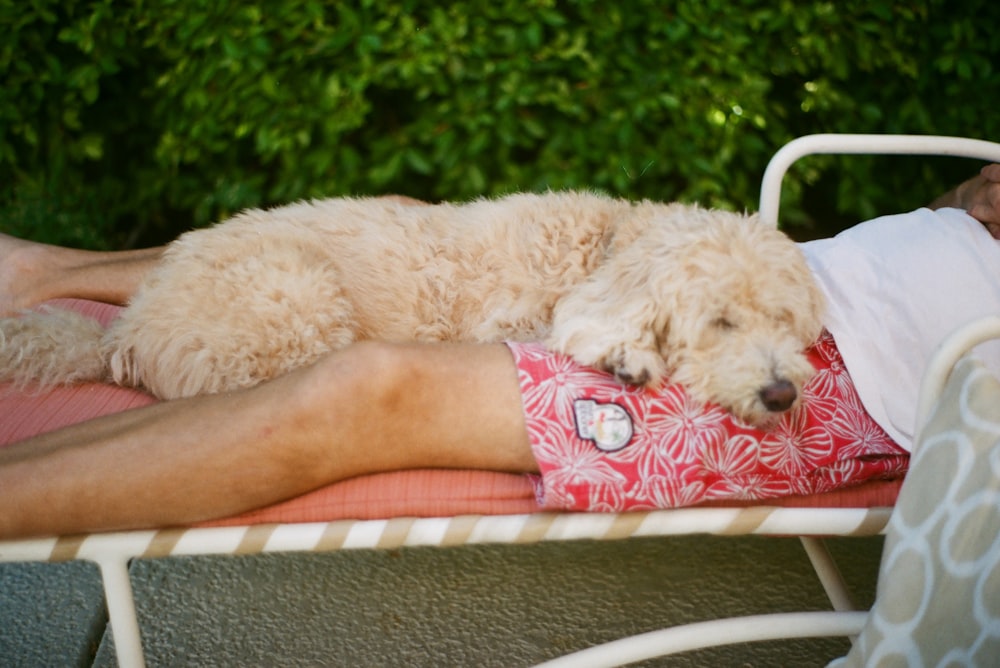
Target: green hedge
pixel 127 122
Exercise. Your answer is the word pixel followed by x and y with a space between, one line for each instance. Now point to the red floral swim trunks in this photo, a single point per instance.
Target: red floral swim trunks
pixel 602 446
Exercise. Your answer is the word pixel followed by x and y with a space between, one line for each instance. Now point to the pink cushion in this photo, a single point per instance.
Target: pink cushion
pixel 29 413
pixel 417 493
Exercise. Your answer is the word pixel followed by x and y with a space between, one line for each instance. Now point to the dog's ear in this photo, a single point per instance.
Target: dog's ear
pixel 807 302
pixel 613 320
pixel 813 313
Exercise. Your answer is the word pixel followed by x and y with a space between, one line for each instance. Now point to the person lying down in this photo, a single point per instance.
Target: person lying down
pixel 894 286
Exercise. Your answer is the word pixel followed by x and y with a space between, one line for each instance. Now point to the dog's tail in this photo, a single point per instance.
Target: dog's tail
pixel 51 347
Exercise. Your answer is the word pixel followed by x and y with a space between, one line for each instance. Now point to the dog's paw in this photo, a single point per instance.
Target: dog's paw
pixel 633 366
pixel 632 356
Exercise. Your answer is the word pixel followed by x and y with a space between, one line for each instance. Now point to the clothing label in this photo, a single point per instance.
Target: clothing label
pixel 609 426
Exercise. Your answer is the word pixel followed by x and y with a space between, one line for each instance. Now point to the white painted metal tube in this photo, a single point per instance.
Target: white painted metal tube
pixel 715 633
pixel 862 144
pixel 947 354
pixel 121 612
pixel 828 574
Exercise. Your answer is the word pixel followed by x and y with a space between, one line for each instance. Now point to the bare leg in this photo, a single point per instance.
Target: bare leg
pixel 32 272
pixel 373 407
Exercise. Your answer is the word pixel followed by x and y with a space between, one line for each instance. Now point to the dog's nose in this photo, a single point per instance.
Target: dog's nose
pixel 778 396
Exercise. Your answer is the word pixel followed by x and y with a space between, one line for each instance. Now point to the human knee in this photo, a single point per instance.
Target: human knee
pixel 368 373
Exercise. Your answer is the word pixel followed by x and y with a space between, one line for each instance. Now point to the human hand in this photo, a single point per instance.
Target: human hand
pixel 980 196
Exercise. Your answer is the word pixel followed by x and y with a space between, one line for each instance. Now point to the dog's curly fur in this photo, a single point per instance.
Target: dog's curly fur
pixel 716 300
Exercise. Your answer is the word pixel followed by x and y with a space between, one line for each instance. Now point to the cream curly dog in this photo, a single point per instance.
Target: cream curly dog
pixel 716 300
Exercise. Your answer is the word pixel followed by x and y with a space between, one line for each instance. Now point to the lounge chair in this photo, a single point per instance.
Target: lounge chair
pixel 447 508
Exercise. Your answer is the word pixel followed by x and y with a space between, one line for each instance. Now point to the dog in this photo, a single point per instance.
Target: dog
pixel 714 300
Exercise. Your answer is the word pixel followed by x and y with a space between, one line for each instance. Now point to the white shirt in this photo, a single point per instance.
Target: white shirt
pixel 895 287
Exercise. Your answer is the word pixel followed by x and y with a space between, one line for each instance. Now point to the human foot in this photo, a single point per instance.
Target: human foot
pixel 25 268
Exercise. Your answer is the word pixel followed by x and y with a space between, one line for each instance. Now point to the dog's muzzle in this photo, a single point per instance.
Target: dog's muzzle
pixel 779 396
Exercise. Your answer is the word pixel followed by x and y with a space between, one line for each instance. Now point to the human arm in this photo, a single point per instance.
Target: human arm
pixel 980 196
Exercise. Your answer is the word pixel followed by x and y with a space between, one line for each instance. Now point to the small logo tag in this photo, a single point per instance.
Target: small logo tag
pixel 609 426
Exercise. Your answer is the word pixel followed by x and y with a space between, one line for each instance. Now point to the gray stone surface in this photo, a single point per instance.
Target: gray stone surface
pixel 50 614
pixel 502 605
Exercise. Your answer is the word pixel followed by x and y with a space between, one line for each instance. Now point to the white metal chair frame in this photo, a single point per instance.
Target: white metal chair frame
pixel 112 552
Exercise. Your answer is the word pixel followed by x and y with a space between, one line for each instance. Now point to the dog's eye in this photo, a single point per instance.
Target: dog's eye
pixel 724 324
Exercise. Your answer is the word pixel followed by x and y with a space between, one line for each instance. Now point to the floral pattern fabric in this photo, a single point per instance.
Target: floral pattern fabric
pixel 602 446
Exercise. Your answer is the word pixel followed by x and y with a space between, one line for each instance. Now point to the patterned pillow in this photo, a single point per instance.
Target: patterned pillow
pixel 938 597
pixel 595 456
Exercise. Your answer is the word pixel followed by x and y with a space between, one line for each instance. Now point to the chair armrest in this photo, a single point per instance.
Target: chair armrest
pixel 862 144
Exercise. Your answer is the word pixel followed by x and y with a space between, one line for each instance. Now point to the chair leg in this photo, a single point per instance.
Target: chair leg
pixel 121 611
pixel 829 574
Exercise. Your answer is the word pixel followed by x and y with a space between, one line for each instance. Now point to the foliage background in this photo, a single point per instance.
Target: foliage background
pixel 125 123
